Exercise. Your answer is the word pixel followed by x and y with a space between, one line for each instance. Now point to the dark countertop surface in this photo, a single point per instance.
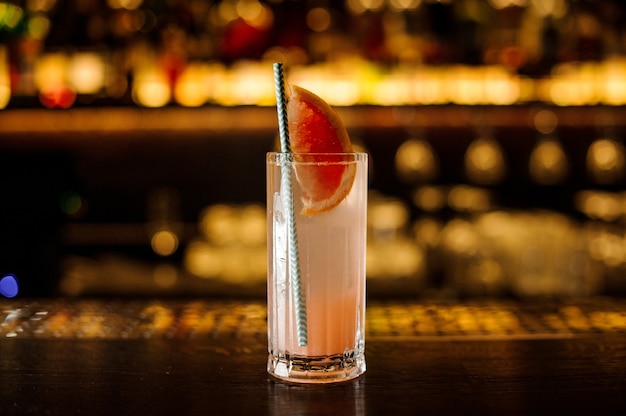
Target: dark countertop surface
pixel 65 356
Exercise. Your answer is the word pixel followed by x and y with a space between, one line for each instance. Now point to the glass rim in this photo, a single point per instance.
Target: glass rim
pixel 303 157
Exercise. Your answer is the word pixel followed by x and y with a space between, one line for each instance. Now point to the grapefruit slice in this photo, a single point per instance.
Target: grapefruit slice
pixel 316 130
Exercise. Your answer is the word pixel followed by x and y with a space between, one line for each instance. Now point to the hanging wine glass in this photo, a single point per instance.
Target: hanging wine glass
pixel 485 163
pixel 605 161
pixel 416 161
pixel 548 163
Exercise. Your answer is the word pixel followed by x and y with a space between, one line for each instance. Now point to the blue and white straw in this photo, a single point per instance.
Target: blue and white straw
pixel 286 187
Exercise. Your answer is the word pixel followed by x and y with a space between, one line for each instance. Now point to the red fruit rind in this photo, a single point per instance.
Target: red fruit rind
pixel 316 129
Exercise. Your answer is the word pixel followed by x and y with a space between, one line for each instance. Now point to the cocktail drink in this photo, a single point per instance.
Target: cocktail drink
pixel 330 254
pixel 316 205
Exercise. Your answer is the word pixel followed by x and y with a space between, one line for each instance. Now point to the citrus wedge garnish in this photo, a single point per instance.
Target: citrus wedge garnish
pixel 315 129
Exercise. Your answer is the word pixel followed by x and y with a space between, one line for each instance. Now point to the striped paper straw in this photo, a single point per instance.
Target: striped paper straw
pixel 286 159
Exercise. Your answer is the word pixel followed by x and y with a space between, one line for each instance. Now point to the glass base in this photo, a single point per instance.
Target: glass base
pixel 321 369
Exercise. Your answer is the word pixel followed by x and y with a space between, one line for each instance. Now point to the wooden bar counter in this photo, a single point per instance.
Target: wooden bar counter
pixel 205 356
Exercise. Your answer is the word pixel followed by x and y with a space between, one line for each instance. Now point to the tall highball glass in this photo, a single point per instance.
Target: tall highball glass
pixel 316 266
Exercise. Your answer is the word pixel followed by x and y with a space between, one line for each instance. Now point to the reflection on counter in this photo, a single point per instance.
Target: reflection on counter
pixel 215 319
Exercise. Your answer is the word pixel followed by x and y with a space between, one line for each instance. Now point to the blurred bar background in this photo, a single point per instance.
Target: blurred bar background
pixel 133 134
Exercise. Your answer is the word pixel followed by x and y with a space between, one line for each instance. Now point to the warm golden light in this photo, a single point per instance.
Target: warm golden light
pixel 392 90
pixel 598 205
pixel 501 88
pixel 615 91
pixel 387 216
pixel 252 225
pixel 250 85
pixel 318 19
pixel 427 231
pixel 361 6
pixel 466 87
pixel 86 73
pixel 416 161
pixel 224 12
pixel 164 242
pixel 605 161
pixel 469 199
pixel 208 261
pixel 339 86
pixel 613 85
pixel 342 92
pixel 607 246
pixel 151 88
pixel 50 76
pixel 40 5
pixel 219 224
pixel 399 258
pixel 548 163
pixel 165 276
pixel 5 82
pixel 5 94
pixel 353 81
pixel 459 237
pixel 202 260
pixel 554 8
pixel 428 87
pixel 574 84
pixel 191 89
pixel 400 5
pixel 248 9
pixel 406 65
pixel 503 4
pixel 484 162
pixel 124 4
pixel 545 121
pixel 429 198
pixel 51 70
pixel 255 13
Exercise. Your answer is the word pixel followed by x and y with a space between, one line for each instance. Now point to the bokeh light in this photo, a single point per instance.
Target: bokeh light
pixel 318 19
pixel 151 88
pixel 484 162
pixel 416 161
pixel 86 72
pixel 51 70
pixel 165 276
pixel 401 5
pixel 72 204
pixel 164 242
pixel 40 5
pixel 548 164
pixel 191 89
pixel 606 161
pixel 38 26
pixel 124 4
pixel 10 16
pixel 9 287
pixel 5 82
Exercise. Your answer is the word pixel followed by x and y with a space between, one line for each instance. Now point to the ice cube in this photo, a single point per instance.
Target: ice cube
pixel 280 242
